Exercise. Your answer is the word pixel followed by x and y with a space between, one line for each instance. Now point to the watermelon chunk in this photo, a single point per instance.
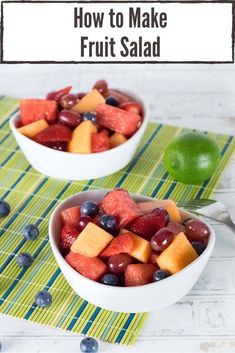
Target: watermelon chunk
pixel 36 109
pixel 123 243
pixel 139 274
pixel 54 133
pixel 90 267
pixel 119 204
pixel 67 237
pixel 100 142
pixel 70 216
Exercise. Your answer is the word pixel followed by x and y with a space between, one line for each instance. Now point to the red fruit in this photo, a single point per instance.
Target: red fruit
pixel 36 109
pixel 101 86
pixel 123 243
pixel 176 228
pixel 99 142
pixel 139 274
pixel 71 216
pixel 119 204
pixel 81 95
pixel 147 225
pixel 57 95
pixel 153 257
pixel 117 119
pixel 120 96
pixel 132 107
pixel 90 267
pixel 68 235
pixel 197 230
pixel 162 239
pixel 54 133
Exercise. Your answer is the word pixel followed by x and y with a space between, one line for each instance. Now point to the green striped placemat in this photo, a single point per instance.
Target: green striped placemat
pixel 33 197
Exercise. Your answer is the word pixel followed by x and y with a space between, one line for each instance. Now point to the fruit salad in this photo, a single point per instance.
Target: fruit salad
pixel 91 122
pixel 119 242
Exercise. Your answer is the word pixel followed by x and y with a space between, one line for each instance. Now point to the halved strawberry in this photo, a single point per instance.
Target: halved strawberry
pixel 68 235
pixel 176 228
pixel 70 215
pixel 139 274
pixel 36 109
pixel 147 225
pixel 100 142
pixel 117 119
pixel 90 267
pixel 123 243
pixel 57 95
pixel 132 107
pixel 118 203
pixel 54 133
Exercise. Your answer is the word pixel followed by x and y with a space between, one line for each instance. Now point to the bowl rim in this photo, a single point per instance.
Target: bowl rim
pixel 140 131
pixel 56 250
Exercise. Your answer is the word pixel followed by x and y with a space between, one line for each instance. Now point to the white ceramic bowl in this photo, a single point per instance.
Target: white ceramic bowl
pixel 72 166
pixel 145 298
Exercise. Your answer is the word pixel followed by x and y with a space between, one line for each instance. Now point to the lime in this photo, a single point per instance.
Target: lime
pixel 192 158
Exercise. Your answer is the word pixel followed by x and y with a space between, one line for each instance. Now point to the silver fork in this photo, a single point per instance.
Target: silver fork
pixel 211 209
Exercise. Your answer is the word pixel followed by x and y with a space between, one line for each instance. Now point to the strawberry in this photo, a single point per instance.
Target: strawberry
pixel 176 228
pixel 123 243
pixel 147 225
pixel 57 95
pixel 68 235
pixel 119 204
pixel 36 109
pixel 132 107
pixel 54 133
pixel 99 142
pixel 139 274
pixel 90 267
pixel 117 119
pixel 70 216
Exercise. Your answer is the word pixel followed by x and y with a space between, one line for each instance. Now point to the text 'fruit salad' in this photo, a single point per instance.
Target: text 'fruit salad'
pixel 81 123
pixel 119 242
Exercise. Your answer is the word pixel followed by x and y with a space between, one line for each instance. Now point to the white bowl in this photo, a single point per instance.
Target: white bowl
pixel 145 298
pixel 73 166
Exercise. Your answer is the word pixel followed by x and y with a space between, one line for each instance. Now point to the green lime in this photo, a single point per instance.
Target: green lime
pixel 192 158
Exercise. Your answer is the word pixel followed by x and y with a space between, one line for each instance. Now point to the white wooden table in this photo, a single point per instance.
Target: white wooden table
pixel 199 96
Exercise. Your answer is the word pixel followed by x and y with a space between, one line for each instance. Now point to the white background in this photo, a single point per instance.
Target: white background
pixel 45 32
pixel 198 96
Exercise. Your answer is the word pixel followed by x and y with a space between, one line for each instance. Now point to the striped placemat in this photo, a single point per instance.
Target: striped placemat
pixel 33 197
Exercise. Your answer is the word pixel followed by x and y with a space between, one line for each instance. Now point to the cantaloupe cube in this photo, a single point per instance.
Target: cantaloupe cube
pixel 142 248
pixel 169 205
pixel 117 139
pixel 32 129
pixel 89 102
pixel 81 138
pixel 91 241
pixel 178 255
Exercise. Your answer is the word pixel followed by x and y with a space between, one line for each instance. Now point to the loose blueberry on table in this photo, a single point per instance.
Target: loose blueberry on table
pixel 43 299
pixel 91 122
pixel 24 260
pixel 119 242
pixel 4 208
pixel 30 231
pixel 89 345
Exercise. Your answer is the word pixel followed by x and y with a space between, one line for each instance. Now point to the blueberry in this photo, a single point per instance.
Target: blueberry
pixel 108 223
pixel 110 279
pixel 89 345
pixel 89 208
pixel 43 299
pixel 160 274
pixel 24 260
pixel 4 208
pixel 198 247
pixel 89 116
pixel 112 101
pixel 30 231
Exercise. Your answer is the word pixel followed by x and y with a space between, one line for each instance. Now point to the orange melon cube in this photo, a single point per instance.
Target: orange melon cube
pixel 91 241
pixel 89 102
pixel 178 255
pixel 31 130
pixel 117 139
pixel 169 205
pixel 82 138
pixel 142 248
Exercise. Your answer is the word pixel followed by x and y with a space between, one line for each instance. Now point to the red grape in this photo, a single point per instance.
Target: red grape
pixel 83 221
pixel 197 230
pixel 162 239
pixel 176 228
pixel 80 95
pixel 69 118
pixel 68 101
pixel 59 146
pixel 118 263
pixel 101 86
